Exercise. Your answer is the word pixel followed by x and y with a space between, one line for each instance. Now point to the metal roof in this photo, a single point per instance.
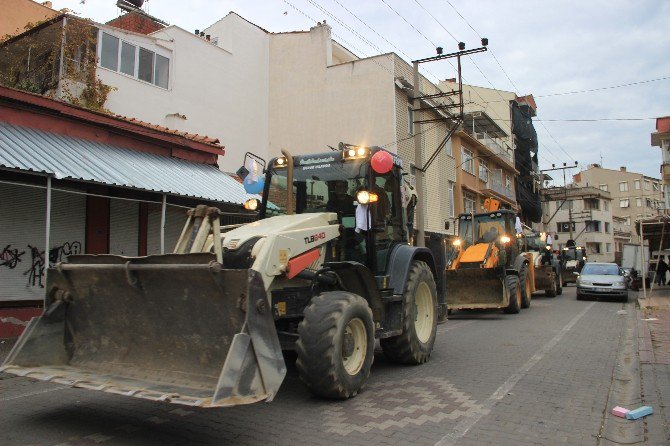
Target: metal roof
pixel 66 157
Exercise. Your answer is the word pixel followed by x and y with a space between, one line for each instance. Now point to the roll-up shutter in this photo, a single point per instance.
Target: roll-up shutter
pixel 124 227
pixel 175 218
pixel 22 237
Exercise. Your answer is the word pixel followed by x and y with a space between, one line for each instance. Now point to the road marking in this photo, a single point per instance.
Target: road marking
pixel 32 394
pixel 455 326
pixel 466 424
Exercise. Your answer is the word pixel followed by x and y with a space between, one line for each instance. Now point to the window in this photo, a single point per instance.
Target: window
pixel 483 171
pixel 560 204
pixel 608 247
pixel 131 60
pixel 128 59
pixel 647 185
pixel 564 226
pixel 451 198
pixel 592 248
pixel 624 203
pixel 591 204
pixel 637 184
pixel 603 187
pixel 626 221
pixel 109 52
pixel 638 202
pixel 623 186
pixel 656 187
pixel 593 226
pixel 508 184
pixel 606 205
pixel 468 161
pixel 607 227
pixel 468 202
pixel 410 120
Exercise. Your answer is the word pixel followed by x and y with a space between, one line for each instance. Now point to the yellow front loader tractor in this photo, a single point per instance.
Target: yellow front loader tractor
pixel 485 262
pixel 325 271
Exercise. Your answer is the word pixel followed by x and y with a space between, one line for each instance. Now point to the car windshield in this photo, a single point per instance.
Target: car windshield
pixel 570 254
pixel 535 243
pixel 600 269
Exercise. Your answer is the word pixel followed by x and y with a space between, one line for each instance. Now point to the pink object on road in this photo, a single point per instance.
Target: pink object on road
pixel 620 411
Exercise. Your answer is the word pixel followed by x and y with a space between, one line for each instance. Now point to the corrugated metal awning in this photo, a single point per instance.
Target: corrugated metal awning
pixel 65 157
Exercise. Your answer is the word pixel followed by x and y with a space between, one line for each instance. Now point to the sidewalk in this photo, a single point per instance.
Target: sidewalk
pixel 654 353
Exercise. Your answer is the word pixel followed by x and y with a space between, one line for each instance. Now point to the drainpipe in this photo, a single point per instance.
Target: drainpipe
pixel 47 240
pixel 163 206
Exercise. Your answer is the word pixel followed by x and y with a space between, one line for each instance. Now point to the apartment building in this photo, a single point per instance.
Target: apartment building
pixel 582 214
pixel 634 195
pixel 661 139
pixel 21 13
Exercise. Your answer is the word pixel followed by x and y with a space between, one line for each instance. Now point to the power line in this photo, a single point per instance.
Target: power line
pixel 629 84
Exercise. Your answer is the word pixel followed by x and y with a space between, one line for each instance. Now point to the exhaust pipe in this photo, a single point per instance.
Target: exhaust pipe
pixel 289 182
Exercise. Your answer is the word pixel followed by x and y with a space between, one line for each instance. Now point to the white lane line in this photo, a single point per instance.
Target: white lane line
pixel 32 394
pixel 466 424
pixel 455 326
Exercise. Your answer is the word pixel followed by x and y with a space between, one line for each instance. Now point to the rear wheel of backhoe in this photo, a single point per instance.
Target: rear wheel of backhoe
pixel 553 288
pixel 559 285
pixel 415 344
pixel 514 290
pixel 524 278
pixel 336 344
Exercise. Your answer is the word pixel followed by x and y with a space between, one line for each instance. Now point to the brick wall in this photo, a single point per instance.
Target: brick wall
pixel 136 22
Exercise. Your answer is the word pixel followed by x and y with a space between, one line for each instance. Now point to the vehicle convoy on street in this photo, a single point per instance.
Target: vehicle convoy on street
pixel 543 270
pixel 601 280
pixel 486 264
pixel 572 259
pixel 325 270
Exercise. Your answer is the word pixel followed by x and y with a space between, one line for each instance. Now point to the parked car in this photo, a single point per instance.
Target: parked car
pixel 602 280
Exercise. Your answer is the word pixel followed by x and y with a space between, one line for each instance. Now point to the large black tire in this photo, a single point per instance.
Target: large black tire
pixel 559 285
pixel 553 288
pixel 336 344
pixel 512 284
pixel 415 344
pixel 524 279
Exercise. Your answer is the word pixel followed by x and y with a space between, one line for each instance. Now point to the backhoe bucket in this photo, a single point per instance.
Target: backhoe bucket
pixel 176 328
pixel 476 288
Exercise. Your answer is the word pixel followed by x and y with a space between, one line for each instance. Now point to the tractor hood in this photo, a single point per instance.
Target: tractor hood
pixel 280 224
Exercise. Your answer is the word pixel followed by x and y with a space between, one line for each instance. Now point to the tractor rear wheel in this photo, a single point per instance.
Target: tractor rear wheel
pixel 336 344
pixel 524 278
pixel 415 344
pixel 553 288
pixel 512 284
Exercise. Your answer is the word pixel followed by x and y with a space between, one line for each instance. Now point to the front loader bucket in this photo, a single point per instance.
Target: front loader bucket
pixel 476 288
pixel 176 328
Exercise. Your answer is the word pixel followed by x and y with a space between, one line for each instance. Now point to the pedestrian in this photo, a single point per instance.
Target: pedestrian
pixel 661 269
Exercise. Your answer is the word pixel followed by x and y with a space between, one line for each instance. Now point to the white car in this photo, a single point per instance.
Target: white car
pixel 602 279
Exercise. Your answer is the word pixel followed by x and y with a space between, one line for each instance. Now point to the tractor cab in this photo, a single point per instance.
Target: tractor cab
pixel 366 200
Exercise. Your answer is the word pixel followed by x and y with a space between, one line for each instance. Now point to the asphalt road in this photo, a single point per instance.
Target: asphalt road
pixel 544 376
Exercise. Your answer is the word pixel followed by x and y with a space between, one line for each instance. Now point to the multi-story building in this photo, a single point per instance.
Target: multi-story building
pixel 22 13
pixel 634 195
pixel 661 138
pixel 582 214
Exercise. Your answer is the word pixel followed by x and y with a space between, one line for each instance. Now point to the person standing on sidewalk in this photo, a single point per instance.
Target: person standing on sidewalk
pixel 661 269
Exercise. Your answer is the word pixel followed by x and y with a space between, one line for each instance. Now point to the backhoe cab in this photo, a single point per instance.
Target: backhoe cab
pixel 483 269
pixel 325 270
pixel 543 270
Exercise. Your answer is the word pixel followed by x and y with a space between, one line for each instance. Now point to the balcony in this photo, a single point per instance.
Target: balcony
pixel 480 126
pixel 505 153
pixel 499 189
pixel 665 171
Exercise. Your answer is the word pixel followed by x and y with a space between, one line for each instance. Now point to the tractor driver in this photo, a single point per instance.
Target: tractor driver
pixel 339 199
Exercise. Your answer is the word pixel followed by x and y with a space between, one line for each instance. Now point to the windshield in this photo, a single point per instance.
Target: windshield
pixel 328 186
pixel 487 228
pixel 535 243
pixel 600 269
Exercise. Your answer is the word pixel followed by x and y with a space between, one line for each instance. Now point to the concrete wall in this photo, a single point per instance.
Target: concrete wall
pixel 315 102
pixel 16 16
pixel 218 90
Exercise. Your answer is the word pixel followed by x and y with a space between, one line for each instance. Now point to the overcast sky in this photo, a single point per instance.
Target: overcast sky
pixel 545 47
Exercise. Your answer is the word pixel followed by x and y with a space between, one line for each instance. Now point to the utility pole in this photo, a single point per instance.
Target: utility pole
pixel 565 189
pixel 456 120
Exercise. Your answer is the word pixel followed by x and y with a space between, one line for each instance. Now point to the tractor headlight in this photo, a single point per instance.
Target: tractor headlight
pixel 365 197
pixel 505 239
pixel 456 242
pixel 548 247
pixel 355 152
pixel 251 204
pixel 280 162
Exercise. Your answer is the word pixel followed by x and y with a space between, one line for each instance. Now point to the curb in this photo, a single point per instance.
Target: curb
pixel 625 389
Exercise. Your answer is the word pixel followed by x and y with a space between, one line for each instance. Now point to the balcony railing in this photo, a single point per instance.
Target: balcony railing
pixel 500 189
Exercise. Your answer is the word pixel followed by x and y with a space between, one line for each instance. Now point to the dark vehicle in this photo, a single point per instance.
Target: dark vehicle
pixel 572 260
pixel 544 269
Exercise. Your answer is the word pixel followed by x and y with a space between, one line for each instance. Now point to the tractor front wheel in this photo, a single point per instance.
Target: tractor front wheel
pixel 524 278
pixel 336 344
pixel 512 284
pixel 415 344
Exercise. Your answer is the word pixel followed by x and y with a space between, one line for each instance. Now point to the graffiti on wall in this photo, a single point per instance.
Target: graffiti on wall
pixel 11 257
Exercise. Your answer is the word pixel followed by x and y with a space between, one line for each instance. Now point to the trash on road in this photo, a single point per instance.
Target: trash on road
pixel 619 411
pixel 622 312
pixel 650 319
pixel 639 412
